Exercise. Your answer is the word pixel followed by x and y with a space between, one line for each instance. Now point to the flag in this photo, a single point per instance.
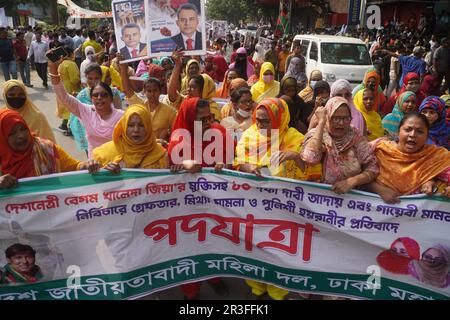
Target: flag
pixel 284 18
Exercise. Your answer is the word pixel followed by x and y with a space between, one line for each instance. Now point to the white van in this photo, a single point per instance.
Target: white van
pixel 337 57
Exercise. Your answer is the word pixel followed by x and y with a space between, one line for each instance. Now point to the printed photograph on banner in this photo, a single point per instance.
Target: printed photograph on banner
pixel 130 30
pixel 219 29
pixel 431 267
pixel 175 24
pixel 27 258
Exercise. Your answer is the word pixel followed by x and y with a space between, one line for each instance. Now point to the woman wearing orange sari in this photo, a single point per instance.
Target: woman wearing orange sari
pixel 410 166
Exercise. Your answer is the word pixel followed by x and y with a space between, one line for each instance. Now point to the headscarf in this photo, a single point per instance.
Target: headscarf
pixel 435 275
pixel 87 61
pixel 245 70
pixel 321 84
pixel 255 77
pixel 405 172
pixel 222 65
pixel 392 120
pixel 39 158
pixel 334 146
pixel 186 78
pixel 307 93
pixel 380 98
pixel 398 263
pixel 224 92
pixel 238 83
pixel 439 130
pixel 262 90
pixel 430 85
pixel 294 70
pixel 446 98
pixel 357 118
pixel 372 118
pixel 259 52
pixel 254 147
pixel 185 120
pixel 209 88
pixel 34 118
pixel 122 148
pixel 209 70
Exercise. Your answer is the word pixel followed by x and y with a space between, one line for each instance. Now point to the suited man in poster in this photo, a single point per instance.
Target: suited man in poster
pixel 131 36
pixel 187 21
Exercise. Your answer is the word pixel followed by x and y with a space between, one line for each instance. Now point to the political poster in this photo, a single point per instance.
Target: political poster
pixel 77 236
pixel 130 29
pixel 220 29
pixel 175 24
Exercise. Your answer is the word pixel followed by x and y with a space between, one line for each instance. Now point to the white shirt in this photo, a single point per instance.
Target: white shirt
pixel 29 38
pixel 186 38
pixel 39 49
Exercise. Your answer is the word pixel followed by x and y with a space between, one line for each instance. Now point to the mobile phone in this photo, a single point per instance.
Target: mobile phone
pixel 57 54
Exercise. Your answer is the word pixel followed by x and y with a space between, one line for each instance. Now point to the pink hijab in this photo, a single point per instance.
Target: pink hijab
pixel 357 118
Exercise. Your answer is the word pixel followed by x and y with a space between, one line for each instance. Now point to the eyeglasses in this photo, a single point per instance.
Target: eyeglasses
pixel 345 119
pixel 433 260
pixel 100 94
pixel 263 121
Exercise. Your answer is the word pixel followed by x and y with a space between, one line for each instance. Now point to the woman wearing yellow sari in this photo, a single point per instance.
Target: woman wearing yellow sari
pixel 364 101
pixel 253 152
pixel 267 86
pixel 16 97
pixel 134 143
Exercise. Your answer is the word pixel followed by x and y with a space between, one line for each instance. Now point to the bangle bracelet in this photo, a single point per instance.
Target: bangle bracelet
pixel 54 75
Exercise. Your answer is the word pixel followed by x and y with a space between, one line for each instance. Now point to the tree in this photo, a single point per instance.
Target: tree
pixel 229 10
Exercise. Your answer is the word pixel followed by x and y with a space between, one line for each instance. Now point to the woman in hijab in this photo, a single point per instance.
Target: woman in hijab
pixel 307 93
pixel 229 109
pixel 430 85
pixel 220 67
pixel 343 88
pixel 294 71
pixel 208 69
pixel 372 81
pixel 411 82
pixel 134 143
pixel 253 153
pixel 229 76
pixel 434 267
pixel 24 155
pixel 191 110
pixel 364 101
pixel 204 87
pixel 321 94
pixel 433 108
pixel 346 155
pixel 192 69
pixel 16 98
pixel 242 65
pixel 90 58
pixel 289 93
pixel 409 165
pixel 406 102
pixel 257 70
pixel 267 86
pixel 399 256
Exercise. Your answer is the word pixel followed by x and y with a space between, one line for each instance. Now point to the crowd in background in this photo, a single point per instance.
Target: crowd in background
pixel 389 135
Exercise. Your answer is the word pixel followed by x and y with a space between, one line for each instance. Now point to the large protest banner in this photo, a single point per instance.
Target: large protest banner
pixel 130 29
pixel 175 24
pixel 79 236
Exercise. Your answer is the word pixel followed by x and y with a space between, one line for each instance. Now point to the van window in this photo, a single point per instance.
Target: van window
pixel 314 53
pixel 345 53
pixel 305 45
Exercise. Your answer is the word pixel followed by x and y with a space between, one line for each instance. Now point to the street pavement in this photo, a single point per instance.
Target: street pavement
pixel 45 100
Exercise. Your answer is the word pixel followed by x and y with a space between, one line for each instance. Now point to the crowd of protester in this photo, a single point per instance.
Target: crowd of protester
pixel 389 135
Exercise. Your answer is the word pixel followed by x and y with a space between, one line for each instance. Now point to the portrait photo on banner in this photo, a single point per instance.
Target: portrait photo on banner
pixel 175 24
pixel 130 30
